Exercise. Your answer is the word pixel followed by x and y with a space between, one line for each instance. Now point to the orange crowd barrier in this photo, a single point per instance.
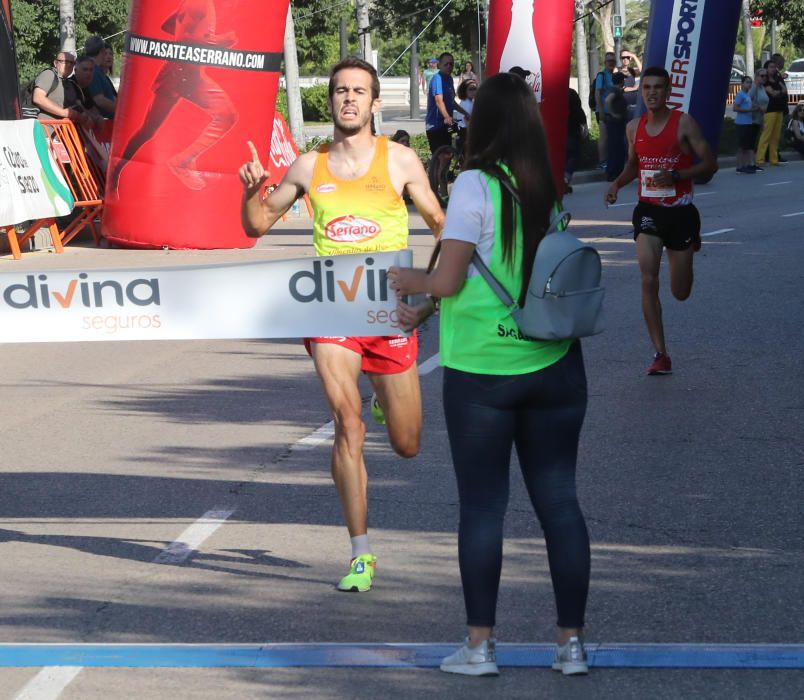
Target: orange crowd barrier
pixel 81 174
pixel 17 238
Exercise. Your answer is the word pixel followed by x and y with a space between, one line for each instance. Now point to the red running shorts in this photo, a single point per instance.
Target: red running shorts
pixel 384 354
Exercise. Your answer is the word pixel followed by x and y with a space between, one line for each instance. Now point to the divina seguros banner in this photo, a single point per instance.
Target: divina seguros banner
pixel 339 295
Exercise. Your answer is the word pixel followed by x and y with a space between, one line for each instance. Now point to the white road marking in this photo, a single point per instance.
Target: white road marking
pixel 49 683
pixel 622 204
pixel 717 233
pixel 797 213
pixel 190 540
pixel 704 194
pixel 325 432
pixel 781 182
pixel 429 365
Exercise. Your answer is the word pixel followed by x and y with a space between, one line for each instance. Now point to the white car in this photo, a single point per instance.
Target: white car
pixel 795 78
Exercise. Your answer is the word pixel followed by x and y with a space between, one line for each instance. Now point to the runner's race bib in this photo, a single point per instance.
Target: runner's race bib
pixel 653 191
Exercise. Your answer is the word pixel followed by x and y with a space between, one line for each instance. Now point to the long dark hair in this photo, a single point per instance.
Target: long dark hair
pixel 506 129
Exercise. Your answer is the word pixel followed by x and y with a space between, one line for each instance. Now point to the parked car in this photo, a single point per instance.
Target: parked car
pixel 795 77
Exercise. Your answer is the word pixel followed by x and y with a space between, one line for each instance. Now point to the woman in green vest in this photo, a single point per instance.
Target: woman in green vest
pixel 501 388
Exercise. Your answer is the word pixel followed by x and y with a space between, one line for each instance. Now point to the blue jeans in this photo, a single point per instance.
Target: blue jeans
pixel 541 413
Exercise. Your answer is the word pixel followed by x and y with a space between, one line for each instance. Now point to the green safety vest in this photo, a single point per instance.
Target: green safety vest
pixel 478 334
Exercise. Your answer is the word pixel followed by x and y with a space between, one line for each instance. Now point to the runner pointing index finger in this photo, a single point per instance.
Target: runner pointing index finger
pixel 255 158
pixel 252 173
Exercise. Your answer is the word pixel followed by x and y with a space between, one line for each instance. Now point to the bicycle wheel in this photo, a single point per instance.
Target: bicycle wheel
pixel 442 171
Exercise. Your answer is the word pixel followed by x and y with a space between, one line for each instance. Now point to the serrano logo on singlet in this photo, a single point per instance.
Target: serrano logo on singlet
pixel 682 51
pixel 36 293
pixel 351 229
pixel 325 188
pixel 313 285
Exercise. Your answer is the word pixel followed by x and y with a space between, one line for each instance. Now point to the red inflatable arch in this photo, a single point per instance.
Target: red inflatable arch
pixel 537 36
pixel 199 80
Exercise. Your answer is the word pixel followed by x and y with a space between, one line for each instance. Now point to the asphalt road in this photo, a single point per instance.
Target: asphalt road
pixel 691 485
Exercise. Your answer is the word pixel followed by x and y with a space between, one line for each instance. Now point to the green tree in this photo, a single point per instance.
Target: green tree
pixel 789 14
pixel 36 29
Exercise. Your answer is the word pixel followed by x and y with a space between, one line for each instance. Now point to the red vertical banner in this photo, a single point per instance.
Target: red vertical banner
pixel 537 36
pixel 199 80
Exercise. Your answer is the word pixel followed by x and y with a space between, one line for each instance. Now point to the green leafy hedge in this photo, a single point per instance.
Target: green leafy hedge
pixel 314 103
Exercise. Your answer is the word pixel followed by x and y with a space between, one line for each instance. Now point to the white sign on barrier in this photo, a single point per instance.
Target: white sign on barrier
pixel 340 295
pixel 31 185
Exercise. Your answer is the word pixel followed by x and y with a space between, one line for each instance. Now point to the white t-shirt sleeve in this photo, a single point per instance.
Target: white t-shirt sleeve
pixel 470 214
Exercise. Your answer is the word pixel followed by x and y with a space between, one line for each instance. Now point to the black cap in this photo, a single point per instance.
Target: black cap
pixel 520 71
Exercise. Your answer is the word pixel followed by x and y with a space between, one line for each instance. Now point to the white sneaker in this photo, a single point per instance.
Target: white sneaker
pixel 571 658
pixel 478 661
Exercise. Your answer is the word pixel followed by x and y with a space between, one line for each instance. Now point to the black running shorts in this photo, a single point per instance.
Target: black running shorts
pixel 678 227
pixel 437 137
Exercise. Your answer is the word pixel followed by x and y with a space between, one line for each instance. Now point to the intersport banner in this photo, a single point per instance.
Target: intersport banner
pixel 199 80
pixel 340 295
pixel 537 35
pixel 31 185
pixel 694 40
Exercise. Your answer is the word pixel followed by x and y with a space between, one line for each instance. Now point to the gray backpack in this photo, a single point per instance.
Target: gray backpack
pixel 564 298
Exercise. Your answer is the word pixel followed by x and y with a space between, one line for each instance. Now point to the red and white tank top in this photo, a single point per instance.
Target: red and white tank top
pixel 662 152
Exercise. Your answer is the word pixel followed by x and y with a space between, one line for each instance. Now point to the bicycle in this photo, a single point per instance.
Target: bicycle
pixel 445 165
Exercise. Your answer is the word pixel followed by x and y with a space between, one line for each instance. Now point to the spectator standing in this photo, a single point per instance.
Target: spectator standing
pixel 616 119
pixel 631 69
pixel 603 86
pixel 81 80
pixel 778 59
pixel 796 128
pixel 468 72
pixel 107 63
pixel 502 389
pixel 429 72
pixel 53 94
pixel 774 116
pixel 760 98
pixel 744 108
pixel 576 129
pixel 466 99
pixel 101 88
pixel 441 104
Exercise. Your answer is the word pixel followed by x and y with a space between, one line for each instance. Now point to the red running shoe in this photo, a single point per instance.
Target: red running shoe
pixel 661 364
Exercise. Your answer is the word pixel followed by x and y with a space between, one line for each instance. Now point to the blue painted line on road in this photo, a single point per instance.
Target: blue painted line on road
pixel 723 656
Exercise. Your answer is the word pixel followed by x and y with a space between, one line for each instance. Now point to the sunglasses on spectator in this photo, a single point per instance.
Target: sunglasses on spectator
pixel 67 61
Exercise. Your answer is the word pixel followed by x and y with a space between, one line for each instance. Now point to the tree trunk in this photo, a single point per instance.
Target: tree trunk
pixel 363 31
pixel 773 37
pixel 67 25
pixel 603 16
pixel 414 78
pixel 295 116
pixel 582 58
pixel 749 38
pixel 344 45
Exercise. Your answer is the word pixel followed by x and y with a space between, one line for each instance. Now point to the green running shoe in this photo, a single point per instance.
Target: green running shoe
pixel 376 410
pixel 361 574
